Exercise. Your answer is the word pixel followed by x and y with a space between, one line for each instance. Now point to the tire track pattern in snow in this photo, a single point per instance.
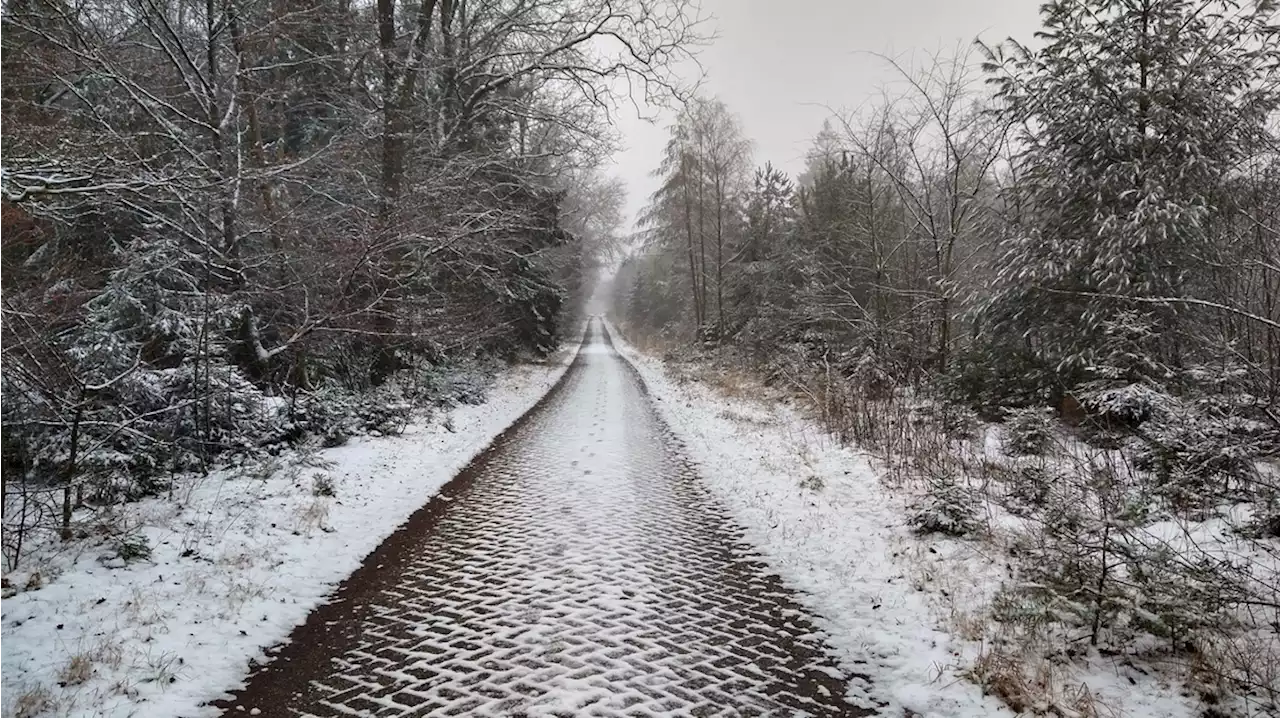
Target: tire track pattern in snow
pixel 577 568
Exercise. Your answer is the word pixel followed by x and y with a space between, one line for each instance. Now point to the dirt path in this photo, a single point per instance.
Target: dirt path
pixel 577 568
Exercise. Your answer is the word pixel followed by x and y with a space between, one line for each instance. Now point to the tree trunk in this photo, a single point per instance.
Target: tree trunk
pixel 72 459
pixel 1099 599
pixel 719 258
pixel 688 223
pixel 390 118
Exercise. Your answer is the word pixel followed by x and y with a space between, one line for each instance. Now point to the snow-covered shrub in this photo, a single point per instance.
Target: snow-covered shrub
pixel 322 485
pixel 813 482
pixel 448 384
pixel 104 489
pixel 1028 485
pixel 1265 522
pixel 958 422
pixel 1028 432
pixel 134 547
pixel 136 384
pixel 1015 605
pixel 1124 405
pixel 1126 384
pixel 1172 595
pixel 1196 456
pixel 947 508
pixel 868 372
pixel 325 413
pixel 993 374
pixel 384 410
pixel 263 469
pixel 232 412
pixel 1090 562
pixel 952 420
pixel 1067 556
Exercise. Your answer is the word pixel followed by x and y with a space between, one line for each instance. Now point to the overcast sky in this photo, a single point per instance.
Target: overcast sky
pixel 778 64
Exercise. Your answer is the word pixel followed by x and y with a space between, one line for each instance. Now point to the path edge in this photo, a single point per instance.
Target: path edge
pixel 345 605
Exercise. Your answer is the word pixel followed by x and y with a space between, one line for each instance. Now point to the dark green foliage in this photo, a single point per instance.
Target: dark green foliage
pixel 948 508
pixel 134 547
pixel 1028 432
pixel 1134 114
pixel 992 376
pixel 322 485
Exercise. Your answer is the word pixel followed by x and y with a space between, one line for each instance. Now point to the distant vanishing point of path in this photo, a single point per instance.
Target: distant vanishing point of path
pixel 576 568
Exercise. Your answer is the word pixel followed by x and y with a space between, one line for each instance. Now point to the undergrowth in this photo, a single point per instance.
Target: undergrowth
pixel 1145 533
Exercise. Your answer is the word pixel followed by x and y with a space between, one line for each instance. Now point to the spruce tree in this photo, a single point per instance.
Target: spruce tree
pixel 1133 115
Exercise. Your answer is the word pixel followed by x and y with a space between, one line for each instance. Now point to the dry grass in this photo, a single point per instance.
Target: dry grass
pixel 162 668
pixel 652 345
pixel 731 382
pixel 312 516
pixel 110 653
pixel 142 608
pixel 240 593
pixel 1031 684
pixel 78 670
pixel 124 687
pixel 34 701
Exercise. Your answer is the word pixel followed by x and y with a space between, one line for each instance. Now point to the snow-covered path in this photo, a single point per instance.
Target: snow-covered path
pixel 576 568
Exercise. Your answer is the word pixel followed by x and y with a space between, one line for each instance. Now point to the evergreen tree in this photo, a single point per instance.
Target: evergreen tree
pixel 1133 115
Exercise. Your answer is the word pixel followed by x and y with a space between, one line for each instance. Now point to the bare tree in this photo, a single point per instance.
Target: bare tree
pixel 936 147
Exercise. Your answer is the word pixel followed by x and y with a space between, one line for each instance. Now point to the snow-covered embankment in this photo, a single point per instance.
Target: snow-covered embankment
pixel 237 559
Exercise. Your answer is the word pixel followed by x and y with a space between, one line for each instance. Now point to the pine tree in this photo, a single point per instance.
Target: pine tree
pixel 769 212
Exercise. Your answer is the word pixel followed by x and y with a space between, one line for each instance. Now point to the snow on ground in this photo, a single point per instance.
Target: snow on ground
pixel 237 561
pixel 898 609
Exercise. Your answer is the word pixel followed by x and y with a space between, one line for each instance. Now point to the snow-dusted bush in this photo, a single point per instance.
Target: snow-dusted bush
pixel 1090 560
pixel 325 413
pixel 1118 586
pixel 868 372
pixel 1027 486
pixel 958 422
pixel 947 508
pixel 1173 595
pixel 233 412
pixel 134 547
pixel 1124 404
pixel 1196 456
pixel 333 414
pixel 952 420
pixel 384 410
pixel 1266 523
pixel 993 374
pixel 1028 432
pixel 1206 447
pixel 1069 553
pixel 322 485
pixel 447 384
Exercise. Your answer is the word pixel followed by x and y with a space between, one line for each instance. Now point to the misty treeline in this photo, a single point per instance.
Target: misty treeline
pixel 1079 237
pixel 234 223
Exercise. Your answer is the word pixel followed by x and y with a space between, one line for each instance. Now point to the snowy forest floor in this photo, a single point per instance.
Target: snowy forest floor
pixel 236 559
pixel 910 612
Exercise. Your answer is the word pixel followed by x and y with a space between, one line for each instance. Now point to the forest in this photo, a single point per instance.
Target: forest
pixel 235 225
pixel 1035 282
pixel 1040 280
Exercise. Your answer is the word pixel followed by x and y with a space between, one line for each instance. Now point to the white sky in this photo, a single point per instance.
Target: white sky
pixel 778 64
